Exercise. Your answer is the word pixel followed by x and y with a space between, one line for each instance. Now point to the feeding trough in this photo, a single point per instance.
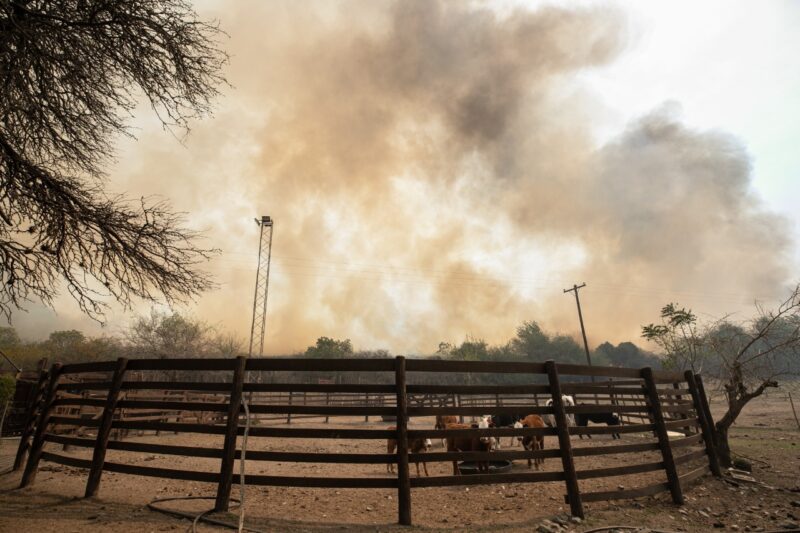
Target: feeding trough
pixel 495 467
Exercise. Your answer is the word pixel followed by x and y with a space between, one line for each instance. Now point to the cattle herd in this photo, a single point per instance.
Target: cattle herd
pixel 478 443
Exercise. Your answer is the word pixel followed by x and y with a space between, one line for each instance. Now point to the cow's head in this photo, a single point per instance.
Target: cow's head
pixel 428 444
pixel 614 419
pixel 518 425
pixel 483 423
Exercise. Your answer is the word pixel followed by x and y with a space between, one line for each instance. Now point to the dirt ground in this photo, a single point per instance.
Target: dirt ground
pixel 766 434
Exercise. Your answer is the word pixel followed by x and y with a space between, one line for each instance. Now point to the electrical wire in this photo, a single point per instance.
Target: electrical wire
pixel 202 517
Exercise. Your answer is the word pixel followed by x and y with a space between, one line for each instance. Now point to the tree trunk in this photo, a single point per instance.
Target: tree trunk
pixel 723 447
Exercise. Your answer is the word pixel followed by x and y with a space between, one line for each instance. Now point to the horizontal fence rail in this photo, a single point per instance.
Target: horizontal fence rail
pixel 95 406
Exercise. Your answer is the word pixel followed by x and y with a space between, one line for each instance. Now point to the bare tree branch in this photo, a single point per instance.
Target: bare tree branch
pixel 71 73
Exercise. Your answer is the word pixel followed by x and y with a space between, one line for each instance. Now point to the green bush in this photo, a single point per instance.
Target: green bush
pixel 7 386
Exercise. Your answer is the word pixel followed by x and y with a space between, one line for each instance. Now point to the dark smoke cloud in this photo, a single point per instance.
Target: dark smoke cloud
pixel 432 172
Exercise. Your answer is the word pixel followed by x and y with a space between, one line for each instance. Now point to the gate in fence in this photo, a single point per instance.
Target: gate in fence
pixel 657 404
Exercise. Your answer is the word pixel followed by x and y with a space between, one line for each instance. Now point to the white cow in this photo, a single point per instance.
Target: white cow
pixel 550 420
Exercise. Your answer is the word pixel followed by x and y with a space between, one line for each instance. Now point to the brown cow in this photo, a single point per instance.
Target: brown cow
pixel 470 444
pixel 442 421
pixel 533 442
pixel 414 446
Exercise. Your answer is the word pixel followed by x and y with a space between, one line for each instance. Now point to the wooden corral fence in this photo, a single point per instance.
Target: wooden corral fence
pixel 665 404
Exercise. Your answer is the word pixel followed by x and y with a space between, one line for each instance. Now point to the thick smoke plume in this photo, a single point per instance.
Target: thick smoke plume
pixel 432 172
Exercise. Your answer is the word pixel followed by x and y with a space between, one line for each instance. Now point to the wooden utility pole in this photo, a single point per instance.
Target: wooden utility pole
pixel 580 318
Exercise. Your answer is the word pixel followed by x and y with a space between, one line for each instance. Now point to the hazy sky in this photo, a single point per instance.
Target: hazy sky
pixel 443 170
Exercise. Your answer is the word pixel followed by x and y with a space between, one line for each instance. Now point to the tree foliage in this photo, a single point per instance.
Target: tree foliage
pixel 745 358
pixel 169 335
pixel 328 348
pixel 7 387
pixel 677 335
pixel 72 72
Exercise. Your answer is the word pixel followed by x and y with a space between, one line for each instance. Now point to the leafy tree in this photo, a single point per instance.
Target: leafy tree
pixel 328 348
pixel 565 349
pixel 72 346
pixel 747 358
pixel 8 338
pixel 169 335
pixel 625 354
pixel 7 386
pixel 531 342
pixel 72 73
pixel 62 342
pixel 677 335
pixel 228 345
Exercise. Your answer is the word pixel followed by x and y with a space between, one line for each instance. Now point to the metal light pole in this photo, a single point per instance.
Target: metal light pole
pixel 257 327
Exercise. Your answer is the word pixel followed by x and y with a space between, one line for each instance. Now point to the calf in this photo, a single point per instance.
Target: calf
pixel 609 419
pixel 505 420
pixel 471 444
pixel 532 442
pixel 568 401
pixel 414 446
pixel 442 421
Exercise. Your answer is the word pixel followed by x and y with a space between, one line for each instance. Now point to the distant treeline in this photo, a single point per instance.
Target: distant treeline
pixel 174 335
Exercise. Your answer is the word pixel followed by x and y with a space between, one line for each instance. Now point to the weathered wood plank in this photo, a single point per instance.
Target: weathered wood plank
pixel 30 419
pixel 525 390
pixel 485 479
pixel 706 425
pixel 663 438
pixel 231 432
pixel 321 365
pixel 95 366
pixel 620 470
pixel 403 474
pixel 104 429
pixel 564 444
pixel 31 467
pixel 166 473
pixel 321 482
pixel 66 460
pixel 617 448
pixel 476 432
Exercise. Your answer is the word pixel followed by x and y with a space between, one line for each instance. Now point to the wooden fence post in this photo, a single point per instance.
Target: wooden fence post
pixel 366 403
pixel 403 477
pixel 678 398
pixel 30 419
pixel 567 461
pixel 663 437
pixel 231 432
pixel 289 415
pixel 706 420
pixel 41 425
pixel 104 430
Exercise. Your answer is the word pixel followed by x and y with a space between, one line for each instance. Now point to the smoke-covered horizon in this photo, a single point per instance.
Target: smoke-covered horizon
pixel 433 172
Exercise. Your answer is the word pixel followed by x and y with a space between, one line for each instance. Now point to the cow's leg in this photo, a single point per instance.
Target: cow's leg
pixel 425 467
pixel 456 471
pixel 539 446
